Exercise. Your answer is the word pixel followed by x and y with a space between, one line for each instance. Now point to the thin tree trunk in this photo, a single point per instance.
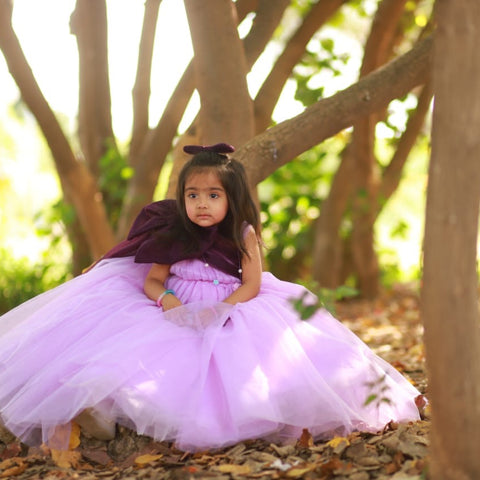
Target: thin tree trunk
pixel 377 52
pixel 328 247
pixel 89 24
pixel 141 89
pixel 268 16
pixel 357 173
pixel 393 172
pixel 78 184
pixel 150 156
pixel 450 284
pixel 269 93
pixel 226 112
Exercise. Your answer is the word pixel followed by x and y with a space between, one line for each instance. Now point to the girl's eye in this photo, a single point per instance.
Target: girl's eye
pixel 214 195
pixel 192 195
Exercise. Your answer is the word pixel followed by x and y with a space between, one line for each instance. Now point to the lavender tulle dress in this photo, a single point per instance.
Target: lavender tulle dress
pixel 204 375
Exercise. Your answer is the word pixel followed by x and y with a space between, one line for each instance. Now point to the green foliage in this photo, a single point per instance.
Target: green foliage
pixel 114 175
pixel 290 202
pixel 323 59
pixel 20 280
pixel 378 392
pixel 326 298
pixel 50 224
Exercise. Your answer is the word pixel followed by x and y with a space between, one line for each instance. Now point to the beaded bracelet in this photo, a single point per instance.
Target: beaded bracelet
pixel 160 298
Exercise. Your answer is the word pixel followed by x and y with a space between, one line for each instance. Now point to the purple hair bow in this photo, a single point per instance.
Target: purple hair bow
pixel 217 148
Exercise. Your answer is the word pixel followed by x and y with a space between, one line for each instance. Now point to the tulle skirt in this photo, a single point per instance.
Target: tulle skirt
pixel 205 375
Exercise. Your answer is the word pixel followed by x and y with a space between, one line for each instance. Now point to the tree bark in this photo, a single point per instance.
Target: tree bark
pixel 77 183
pixel 268 15
pixel 366 175
pixel 89 24
pixel 150 156
pixel 450 282
pixel 141 89
pixel 226 113
pixel 328 248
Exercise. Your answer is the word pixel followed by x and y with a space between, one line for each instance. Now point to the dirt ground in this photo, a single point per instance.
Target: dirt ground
pixel 392 328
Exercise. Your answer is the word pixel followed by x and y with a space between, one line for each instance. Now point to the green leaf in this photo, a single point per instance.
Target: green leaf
pixel 372 397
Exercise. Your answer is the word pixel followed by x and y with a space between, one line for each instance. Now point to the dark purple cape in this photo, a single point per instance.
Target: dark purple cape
pixel 148 241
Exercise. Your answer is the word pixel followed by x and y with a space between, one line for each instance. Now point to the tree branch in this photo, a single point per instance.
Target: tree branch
pixel 89 24
pixel 267 96
pixel 267 18
pixel 141 89
pixel 393 172
pixel 283 142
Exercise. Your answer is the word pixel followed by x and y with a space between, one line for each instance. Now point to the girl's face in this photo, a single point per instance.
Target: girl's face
pixel 206 201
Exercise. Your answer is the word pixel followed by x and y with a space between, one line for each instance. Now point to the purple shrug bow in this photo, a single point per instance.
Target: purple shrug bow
pixel 149 241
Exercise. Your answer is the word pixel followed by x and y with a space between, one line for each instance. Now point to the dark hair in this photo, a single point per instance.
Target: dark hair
pixel 232 176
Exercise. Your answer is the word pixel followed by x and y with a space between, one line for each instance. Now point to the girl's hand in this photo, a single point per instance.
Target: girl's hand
pixel 170 301
pixel 154 286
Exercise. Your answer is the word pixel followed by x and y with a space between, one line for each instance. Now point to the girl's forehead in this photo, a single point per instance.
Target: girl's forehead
pixel 203 176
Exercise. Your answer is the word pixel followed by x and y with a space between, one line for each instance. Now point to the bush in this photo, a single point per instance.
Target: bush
pixel 21 280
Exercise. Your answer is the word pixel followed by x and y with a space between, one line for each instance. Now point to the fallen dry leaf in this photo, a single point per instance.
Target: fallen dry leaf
pixel 12 467
pixel 74 440
pixel 329 467
pixel 11 450
pixel 306 439
pixel 143 460
pixel 299 472
pixel 337 443
pixel 66 458
pixel 235 469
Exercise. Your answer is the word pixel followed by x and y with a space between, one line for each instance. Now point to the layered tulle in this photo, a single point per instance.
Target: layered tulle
pixel 204 375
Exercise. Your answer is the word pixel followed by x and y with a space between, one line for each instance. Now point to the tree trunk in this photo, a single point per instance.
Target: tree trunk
pixel 268 16
pixel 328 251
pixel 332 261
pixel 149 157
pixel 141 89
pixel 377 52
pixel 358 177
pixel 226 113
pixel 77 182
pixel 89 24
pixel 365 179
pixel 450 294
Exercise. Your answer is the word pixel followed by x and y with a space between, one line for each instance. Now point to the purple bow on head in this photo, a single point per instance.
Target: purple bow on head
pixel 217 148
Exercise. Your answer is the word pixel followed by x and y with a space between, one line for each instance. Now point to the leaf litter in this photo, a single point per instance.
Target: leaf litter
pixel 390 325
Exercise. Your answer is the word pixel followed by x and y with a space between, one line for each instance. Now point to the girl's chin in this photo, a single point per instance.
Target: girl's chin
pixel 204 222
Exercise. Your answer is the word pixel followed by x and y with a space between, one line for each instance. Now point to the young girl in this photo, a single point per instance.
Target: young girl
pixel 178 334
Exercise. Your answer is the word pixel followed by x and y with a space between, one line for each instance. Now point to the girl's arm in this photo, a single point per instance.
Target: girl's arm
pixel 251 271
pixel 154 286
